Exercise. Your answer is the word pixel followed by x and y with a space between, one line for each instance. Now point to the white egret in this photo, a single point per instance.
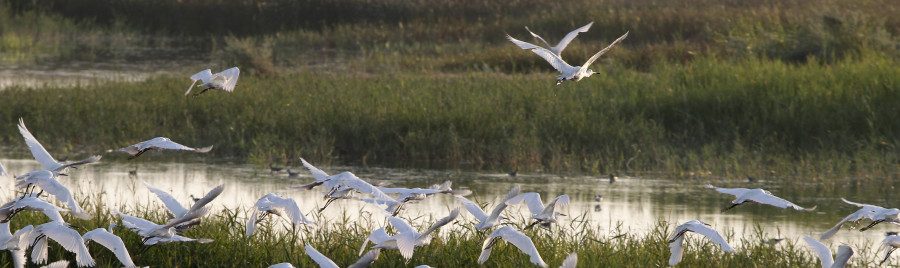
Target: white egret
pixel 224 80
pixel 16 243
pixel 676 242
pixel 486 221
pixel 512 236
pixel 545 215
pixel 408 238
pixel 839 261
pixel 890 243
pixel 559 47
pixel 66 237
pixel 415 194
pixel 46 180
pixel 380 240
pixel 153 233
pixel 42 156
pixel 159 143
pixel 344 184
pixel 112 242
pixel 319 176
pixel 571 261
pixel 177 210
pixel 872 212
pixel 566 72
pixel 35 204
pixel 760 196
pixel 272 203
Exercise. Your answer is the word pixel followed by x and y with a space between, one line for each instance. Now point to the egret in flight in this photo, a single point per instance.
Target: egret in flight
pixel 159 143
pixel 676 243
pixel 48 183
pixel 274 204
pixel 566 72
pixel 66 237
pixel 224 80
pixel 112 242
pixel 486 221
pixel 839 261
pixel 42 156
pixel 872 212
pixel 559 47
pixel 760 196
pixel 544 215
pixel 514 237
pixel 407 238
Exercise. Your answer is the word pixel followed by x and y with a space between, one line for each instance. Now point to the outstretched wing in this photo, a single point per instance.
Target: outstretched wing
pixel 538 37
pixel 531 199
pixel 440 223
pixel 821 250
pixel 290 207
pixel 317 173
pixel 736 192
pixel 473 208
pixel 522 242
pixel 231 78
pixel 321 260
pixel 676 248
pixel 558 63
pixel 70 240
pixel 202 76
pixel 772 200
pixel 37 150
pixel 590 61
pixel 111 242
pixel 712 235
pixel 2 170
pixel 209 197
pixel 168 200
pixel 571 36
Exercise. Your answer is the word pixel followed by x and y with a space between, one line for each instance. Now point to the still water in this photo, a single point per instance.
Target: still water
pixel 631 204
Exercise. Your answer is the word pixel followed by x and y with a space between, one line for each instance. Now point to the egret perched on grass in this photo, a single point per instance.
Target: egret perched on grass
pixel 486 221
pixel 274 204
pixel 66 237
pixel 890 243
pixel 839 261
pixel 110 241
pixel 224 80
pixel 566 72
pixel 42 156
pixel 48 183
pixel 544 215
pixel 512 236
pixel 16 243
pixel 559 47
pixel 760 196
pixel 872 212
pixel 676 242
pixel 159 143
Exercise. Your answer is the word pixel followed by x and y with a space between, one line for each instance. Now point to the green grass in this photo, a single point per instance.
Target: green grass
pixel 744 117
pixel 340 239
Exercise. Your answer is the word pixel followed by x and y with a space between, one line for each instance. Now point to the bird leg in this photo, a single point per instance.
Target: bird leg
pixel 201 92
pixel 677 236
pixel 262 216
pixel 36 239
pixel 530 225
pixel 732 206
pixel 326 204
pixel 139 153
pixel 887 256
pixel 397 210
pixel 871 225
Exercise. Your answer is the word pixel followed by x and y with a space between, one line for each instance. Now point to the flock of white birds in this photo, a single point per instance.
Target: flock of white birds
pixel 345 185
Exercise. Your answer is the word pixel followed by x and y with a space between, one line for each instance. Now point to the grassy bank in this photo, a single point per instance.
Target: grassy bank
pixel 341 239
pixel 746 117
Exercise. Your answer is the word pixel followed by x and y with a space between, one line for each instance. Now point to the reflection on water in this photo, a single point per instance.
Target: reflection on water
pixel 635 205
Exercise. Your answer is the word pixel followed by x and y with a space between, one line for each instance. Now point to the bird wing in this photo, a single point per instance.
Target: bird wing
pixel 209 197
pixel 231 78
pixel 523 242
pixel 90 159
pixel 550 209
pixel 377 236
pixel 711 234
pixel 39 250
pixel 860 204
pixel 168 144
pixel 772 200
pixel 440 223
pixel 316 256
pixel 137 224
pixel 317 173
pixel 571 36
pixel 531 199
pixel 61 193
pixel 473 208
pixel 407 236
pixel 37 150
pixel 408 191
pixel 191 215
pixel 676 248
pixel 558 63
pixel 538 37
pixel 168 200
pixel 34 203
pixel 571 261
pixel 842 257
pixel 732 191
pixel 204 75
pixel 350 180
pixel 112 242
pixel 590 61
pixel 290 207
pixel 250 228
pixel 2 170
pixel 70 240
pixel 367 259
pixel 821 251
pixel 864 212
pixel 402 226
pixel 18 257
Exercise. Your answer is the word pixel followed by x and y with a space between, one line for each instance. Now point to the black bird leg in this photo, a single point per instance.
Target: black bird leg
pixel 871 225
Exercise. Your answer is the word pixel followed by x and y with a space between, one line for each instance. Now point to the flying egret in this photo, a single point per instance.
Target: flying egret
pixel 46 180
pixel 380 240
pixel 486 221
pixel 66 237
pixel 512 236
pixel 406 195
pixel 545 215
pixel 571 261
pixel 760 196
pixel 16 243
pixel 175 209
pixel 890 243
pixel 112 242
pixel 676 242
pixel 159 143
pixel 42 156
pixel 319 176
pixel 344 184
pixel 325 262
pixel 872 212
pixel 559 47
pixel 35 204
pixel 224 80
pixel 566 71
pixel 839 261
pixel 152 233
pixel 272 203
pixel 408 238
